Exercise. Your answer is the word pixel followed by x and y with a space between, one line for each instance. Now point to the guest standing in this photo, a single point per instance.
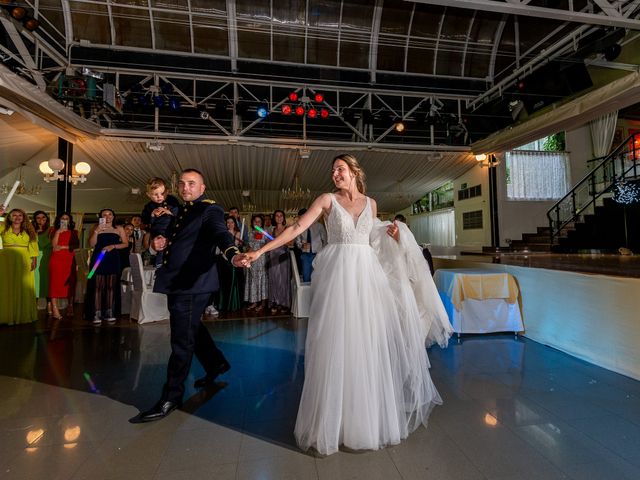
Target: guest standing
pixel 18 259
pixel 310 244
pixel 103 292
pixel 62 265
pixel 229 299
pixel 279 268
pixel 41 224
pixel 256 288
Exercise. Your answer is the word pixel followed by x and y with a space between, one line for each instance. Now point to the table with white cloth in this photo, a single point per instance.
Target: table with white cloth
pixel 126 284
pixel 479 301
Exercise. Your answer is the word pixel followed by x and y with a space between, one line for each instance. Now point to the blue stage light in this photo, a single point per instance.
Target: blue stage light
pixel 262 111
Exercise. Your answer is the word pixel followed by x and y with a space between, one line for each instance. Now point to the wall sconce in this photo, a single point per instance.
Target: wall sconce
pixel 51 171
pixel 488 161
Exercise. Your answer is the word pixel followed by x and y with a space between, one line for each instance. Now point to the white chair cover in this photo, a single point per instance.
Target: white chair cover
pixel 300 291
pixel 146 306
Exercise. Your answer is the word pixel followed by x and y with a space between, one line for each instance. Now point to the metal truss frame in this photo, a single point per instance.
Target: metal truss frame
pixel 612 13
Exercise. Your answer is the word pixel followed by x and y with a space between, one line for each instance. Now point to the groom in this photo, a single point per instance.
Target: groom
pixel 188 276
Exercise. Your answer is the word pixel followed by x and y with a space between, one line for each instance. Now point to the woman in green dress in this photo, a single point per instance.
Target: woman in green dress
pixel 18 259
pixel 41 223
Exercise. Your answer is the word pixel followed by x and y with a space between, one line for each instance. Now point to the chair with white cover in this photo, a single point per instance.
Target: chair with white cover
pixel 146 306
pixel 300 291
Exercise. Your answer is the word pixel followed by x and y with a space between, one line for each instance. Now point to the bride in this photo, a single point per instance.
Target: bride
pixel 367 382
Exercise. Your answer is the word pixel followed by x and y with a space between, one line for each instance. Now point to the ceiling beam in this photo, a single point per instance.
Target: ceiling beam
pixel 25 55
pixel 606 18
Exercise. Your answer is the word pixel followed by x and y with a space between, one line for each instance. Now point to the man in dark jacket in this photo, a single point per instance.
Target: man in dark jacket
pixel 188 276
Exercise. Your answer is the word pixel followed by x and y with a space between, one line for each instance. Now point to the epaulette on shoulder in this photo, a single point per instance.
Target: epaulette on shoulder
pixel 206 200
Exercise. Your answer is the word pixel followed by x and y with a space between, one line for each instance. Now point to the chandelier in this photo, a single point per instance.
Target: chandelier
pixel 296 193
pixel 23 188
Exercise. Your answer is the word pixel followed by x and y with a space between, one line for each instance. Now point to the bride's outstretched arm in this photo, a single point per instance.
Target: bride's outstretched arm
pixel 319 205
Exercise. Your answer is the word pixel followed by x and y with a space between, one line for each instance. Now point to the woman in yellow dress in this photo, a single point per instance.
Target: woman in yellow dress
pixel 18 259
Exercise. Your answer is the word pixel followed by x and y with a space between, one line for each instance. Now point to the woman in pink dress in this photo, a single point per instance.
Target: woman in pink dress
pixel 62 265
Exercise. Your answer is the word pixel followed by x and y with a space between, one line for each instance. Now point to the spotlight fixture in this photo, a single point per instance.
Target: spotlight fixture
pixel 324 113
pixel 18 13
pixel 399 127
pixel 319 98
pixel 299 110
pixel 286 109
pixel 293 96
pixel 174 104
pixel 204 115
pixel 262 111
pixel 30 23
pixel 312 113
pixel 158 101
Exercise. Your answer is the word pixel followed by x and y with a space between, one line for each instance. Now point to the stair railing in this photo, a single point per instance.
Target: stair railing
pixel 621 164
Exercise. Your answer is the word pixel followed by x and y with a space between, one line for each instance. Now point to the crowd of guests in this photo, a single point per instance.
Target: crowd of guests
pixel 266 286
pixel 37 260
pixel 40 256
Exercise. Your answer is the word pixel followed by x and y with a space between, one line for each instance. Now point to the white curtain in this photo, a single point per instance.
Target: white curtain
pixel 602 131
pixel 437 228
pixel 537 175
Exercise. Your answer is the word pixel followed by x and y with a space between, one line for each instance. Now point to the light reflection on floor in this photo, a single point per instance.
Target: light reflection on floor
pixel 514 409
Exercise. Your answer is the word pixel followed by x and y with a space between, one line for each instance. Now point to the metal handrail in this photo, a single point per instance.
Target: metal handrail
pixel 628 150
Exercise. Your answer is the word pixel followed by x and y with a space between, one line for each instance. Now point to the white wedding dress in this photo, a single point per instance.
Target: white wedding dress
pixel 367 382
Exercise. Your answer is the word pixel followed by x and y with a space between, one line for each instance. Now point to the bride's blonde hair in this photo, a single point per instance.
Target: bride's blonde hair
pixel 355 167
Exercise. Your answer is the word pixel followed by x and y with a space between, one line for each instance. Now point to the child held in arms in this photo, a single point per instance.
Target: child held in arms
pixel 158 212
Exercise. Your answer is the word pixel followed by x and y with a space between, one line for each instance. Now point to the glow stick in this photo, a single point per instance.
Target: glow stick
pixel 95 265
pixel 242 230
pixel 263 232
pixel 5 204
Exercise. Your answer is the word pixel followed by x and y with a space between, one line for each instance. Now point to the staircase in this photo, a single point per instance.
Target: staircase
pixel 587 218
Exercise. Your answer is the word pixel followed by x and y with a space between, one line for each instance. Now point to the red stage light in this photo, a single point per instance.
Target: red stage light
pixel 286 109
pixel 324 113
pixel 313 113
pixel 319 97
pixel 299 110
pixel 293 96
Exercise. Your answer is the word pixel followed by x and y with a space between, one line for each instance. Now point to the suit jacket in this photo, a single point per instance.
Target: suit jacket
pixel 189 261
pixel 318 237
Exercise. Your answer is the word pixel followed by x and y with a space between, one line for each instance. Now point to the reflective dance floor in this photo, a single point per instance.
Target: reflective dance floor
pixel 513 409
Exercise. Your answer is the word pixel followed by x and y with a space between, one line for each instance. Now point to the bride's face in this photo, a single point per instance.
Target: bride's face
pixel 342 175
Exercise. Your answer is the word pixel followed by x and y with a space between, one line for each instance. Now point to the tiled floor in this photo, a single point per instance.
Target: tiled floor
pixel 513 409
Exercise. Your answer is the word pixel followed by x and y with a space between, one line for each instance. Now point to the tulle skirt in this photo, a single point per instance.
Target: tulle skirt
pixel 367 382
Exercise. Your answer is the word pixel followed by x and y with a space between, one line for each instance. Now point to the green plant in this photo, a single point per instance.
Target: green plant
pixel 554 143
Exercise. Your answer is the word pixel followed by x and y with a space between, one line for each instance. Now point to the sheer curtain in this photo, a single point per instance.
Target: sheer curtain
pixel 537 175
pixel 437 228
pixel 602 131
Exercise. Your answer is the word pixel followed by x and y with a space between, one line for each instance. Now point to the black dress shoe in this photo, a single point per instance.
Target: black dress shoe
pixel 208 379
pixel 158 412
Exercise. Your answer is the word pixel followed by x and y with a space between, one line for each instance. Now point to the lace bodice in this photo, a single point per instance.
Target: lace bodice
pixel 341 227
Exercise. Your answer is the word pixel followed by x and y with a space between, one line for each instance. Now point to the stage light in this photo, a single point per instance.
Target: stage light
pixel 204 115
pixel 400 127
pixel 313 113
pixel 299 110
pixel 612 52
pixel 18 13
pixel 319 98
pixel 293 96
pixel 174 104
pixel 324 113
pixel 262 111
pixel 30 23
pixel 286 109
pixel 158 101
pixel 143 101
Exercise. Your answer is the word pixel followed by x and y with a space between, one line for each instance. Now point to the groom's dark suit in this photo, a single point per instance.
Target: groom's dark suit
pixel 188 276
